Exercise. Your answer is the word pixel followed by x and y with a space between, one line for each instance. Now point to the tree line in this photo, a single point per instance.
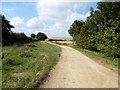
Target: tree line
pixel 101 30
pixel 11 38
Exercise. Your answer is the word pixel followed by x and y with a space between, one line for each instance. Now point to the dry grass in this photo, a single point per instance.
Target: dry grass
pixel 64 42
pixel 62 38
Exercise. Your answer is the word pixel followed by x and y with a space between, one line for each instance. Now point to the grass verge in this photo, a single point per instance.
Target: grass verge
pixel 26 66
pixel 101 58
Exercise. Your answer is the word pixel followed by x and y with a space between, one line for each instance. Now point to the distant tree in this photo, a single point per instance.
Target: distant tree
pixel 33 35
pixel 41 36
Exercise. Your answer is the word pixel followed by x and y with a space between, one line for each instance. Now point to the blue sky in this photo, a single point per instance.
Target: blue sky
pixel 25 10
pixel 52 18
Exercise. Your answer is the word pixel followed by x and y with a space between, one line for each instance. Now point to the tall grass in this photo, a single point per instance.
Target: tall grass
pixel 25 66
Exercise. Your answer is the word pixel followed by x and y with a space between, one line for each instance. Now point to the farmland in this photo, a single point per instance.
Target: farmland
pixel 61 40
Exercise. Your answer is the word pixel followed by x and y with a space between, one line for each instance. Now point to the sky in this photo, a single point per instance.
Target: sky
pixel 48 16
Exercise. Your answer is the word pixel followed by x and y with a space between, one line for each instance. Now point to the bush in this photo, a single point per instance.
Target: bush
pixel 41 36
pixel 33 35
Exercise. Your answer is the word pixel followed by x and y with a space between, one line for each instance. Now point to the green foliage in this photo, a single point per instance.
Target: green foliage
pixel 24 66
pixel 33 35
pixel 110 10
pixel 101 30
pixel 41 36
pixel 75 28
pixel 10 62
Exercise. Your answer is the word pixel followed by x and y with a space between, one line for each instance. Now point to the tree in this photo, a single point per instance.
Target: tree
pixel 9 37
pixel 6 30
pixel 101 30
pixel 41 36
pixel 75 28
pixel 33 35
pixel 110 10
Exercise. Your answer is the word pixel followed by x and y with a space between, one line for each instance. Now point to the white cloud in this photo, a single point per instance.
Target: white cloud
pixel 53 11
pixel 56 30
pixel 34 23
pixel 54 18
pixel 16 21
pixel 61 14
pixel 60 29
pixel 76 16
pixel 87 14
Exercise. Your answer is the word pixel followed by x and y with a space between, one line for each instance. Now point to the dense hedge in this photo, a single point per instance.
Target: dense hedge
pixel 101 30
pixel 56 40
pixel 9 37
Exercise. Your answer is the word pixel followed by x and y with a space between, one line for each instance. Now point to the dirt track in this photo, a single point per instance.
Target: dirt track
pixel 75 70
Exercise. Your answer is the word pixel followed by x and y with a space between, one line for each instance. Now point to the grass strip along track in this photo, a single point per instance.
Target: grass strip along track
pixel 26 66
pixel 99 57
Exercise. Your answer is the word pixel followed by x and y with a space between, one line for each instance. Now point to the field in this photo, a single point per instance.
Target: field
pixel 62 40
pixel 26 66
